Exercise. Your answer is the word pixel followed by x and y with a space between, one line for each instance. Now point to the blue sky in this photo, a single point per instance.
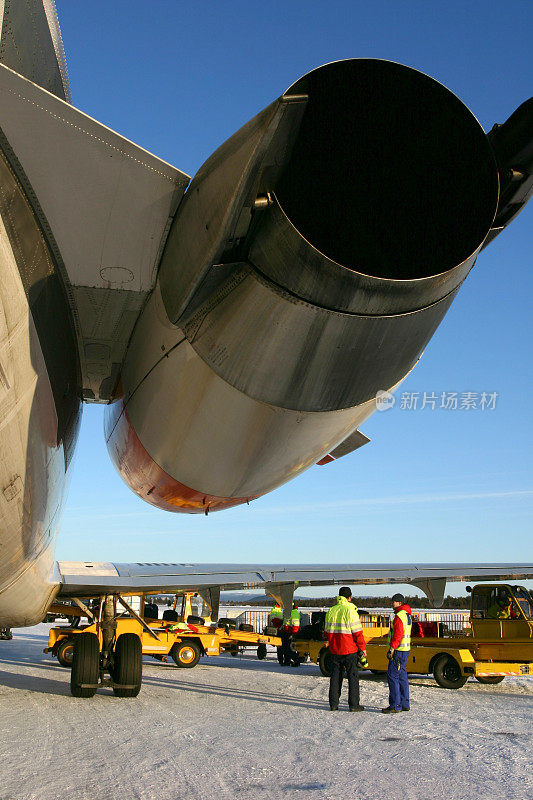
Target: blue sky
pixel 178 78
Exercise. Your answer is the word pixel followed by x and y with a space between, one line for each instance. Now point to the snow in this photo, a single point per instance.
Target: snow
pixel 243 728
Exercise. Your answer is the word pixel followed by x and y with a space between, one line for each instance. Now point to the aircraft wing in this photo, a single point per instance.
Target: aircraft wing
pixel 88 579
pixel 105 205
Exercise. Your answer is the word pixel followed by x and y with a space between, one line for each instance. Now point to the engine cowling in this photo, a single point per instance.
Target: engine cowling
pixel 310 262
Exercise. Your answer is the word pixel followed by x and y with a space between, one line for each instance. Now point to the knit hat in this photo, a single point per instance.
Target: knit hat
pixel 398 598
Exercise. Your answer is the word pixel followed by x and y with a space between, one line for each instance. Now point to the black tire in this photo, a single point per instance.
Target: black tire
pixel 447 673
pixel 246 627
pixel 127 665
pixel 186 654
pixel 65 652
pixel 234 652
pixel 324 662
pixel 271 631
pixel 261 651
pixel 492 679
pixel 85 665
pixel 194 620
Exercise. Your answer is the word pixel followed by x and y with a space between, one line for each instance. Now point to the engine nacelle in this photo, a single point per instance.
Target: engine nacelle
pixel 310 262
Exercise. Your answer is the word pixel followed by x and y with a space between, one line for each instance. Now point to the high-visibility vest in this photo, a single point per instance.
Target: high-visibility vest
pixel 343 618
pixel 405 644
pixel 276 613
pixel 295 618
pixel 496 611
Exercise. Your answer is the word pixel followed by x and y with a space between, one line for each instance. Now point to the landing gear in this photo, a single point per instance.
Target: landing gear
pixel 85 665
pixel 127 666
pixel 92 655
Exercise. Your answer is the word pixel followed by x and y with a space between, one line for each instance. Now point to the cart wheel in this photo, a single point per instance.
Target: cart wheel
pixel 127 665
pixel 261 651
pixel 234 651
pixel 447 673
pixel 186 654
pixel 65 652
pixel 490 678
pixel 85 665
pixel 324 662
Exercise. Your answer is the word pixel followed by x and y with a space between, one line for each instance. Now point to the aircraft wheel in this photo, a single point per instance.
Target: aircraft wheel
pixel 324 662
pixel 490 678
pixel 65 652
pixel 261 651
pixel 447 673
pixel 85 665
pixel 186 654
pixel 127 665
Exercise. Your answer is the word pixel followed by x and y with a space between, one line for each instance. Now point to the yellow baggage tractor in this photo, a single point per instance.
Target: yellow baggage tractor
pixel 185 642
pixel 497 641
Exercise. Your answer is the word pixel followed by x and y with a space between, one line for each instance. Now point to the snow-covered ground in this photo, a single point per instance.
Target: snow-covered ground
pixel 242 728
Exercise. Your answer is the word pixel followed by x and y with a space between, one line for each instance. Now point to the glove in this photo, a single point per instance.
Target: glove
pixel 363 663
pixel 390 653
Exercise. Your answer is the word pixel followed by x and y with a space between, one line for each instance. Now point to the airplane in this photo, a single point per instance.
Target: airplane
pixel 238 327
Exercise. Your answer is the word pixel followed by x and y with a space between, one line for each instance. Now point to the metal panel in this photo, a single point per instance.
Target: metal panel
pixel 288 353
pixel 31 44
pixel 104 203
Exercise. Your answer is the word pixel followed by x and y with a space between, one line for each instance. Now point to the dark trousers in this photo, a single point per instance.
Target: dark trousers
pixel 288 656
pixel 398 682
pixel 339 664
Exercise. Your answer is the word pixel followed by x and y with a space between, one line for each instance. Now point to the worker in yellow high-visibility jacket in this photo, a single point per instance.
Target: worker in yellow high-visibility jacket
pixel 289 657
pixel 344 633
pixel 398 653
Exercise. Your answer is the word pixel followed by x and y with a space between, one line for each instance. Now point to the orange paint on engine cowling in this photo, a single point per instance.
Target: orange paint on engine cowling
pixel 147 479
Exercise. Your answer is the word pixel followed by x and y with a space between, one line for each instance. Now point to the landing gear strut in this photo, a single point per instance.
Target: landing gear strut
pixel 95 654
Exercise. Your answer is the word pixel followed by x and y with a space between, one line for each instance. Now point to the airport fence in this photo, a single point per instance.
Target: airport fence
pixel 449 623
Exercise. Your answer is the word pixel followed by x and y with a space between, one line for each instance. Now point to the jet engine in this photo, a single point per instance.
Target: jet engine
pixel 309 263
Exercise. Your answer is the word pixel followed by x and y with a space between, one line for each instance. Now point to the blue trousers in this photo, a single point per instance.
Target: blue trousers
pixel 398 683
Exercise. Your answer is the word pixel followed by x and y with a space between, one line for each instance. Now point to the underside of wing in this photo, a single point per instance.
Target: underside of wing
pixel 104 205
pixel 84 578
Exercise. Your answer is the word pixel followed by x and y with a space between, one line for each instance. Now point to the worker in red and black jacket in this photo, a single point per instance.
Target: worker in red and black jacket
pixel 398 653
pixel 344 634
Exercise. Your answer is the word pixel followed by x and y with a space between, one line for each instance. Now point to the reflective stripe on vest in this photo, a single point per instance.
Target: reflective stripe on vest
pixel 343 618
pixel 405 643
pixel 276 613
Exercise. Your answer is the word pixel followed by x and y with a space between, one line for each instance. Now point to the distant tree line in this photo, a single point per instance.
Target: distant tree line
pixel 360 602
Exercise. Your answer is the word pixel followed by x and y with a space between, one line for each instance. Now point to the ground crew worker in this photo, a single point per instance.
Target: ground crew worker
pixel 399 645
pixel 275 618
pixel 344 634
pixel 502 609
pixel 289 628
